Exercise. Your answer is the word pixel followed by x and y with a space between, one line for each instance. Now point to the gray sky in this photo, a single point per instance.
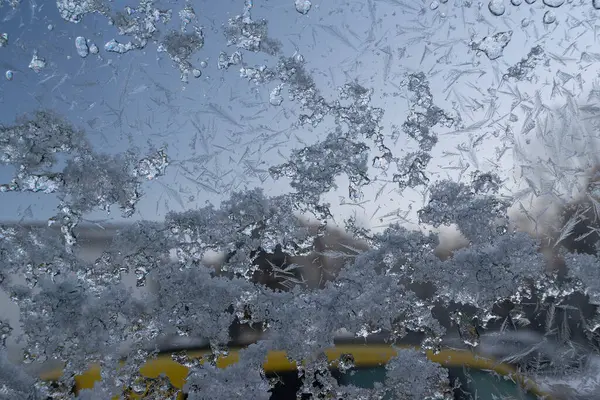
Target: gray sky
pixel 137 101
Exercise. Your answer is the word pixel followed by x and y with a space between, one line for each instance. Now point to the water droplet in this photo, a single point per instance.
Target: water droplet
pixel 9 75
pixel 516 2
pixel 596 4
pixel 554 3
pixel 203 64
pixel 82 47
pixel 549 17
pixel 94 49
pixel 525 22
pixel 196 73
pixel 434 5
pixel 529 1
pixel 50 27
pixel 496 7
pixel 303 6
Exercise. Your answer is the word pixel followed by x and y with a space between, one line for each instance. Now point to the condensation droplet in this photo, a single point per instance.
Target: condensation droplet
pixel 549 17
pixel 525 22
pixel 303 6
pixel 50 27
pixel 196 73
pixel 554 3
pixel 496 7
pixel 516 2
pixel 203 64
pixel 596 4
pixel 434 5
pixel 82 47
pixel 529 1
pixel 9 75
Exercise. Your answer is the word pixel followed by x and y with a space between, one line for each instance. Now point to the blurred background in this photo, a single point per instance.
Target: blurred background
pixel 512 91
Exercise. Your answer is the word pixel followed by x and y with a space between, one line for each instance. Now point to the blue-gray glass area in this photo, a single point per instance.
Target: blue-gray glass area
pixel 286 172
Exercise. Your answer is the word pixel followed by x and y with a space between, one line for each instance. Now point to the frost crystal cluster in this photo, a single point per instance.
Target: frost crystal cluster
pixel 278 274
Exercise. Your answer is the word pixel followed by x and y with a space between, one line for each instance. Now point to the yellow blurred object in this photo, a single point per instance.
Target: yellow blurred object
pixel 364 355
